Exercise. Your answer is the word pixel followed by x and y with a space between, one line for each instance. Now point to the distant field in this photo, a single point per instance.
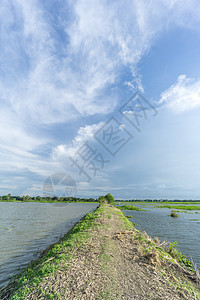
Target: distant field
pixel 158 203
pixel 171 202
pixel 184 207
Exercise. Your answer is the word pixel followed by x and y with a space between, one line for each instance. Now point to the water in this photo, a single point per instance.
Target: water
pixel 157 222
pixel 26 229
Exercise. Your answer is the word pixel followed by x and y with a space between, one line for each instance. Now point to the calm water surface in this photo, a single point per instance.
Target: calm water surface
pixel 26 229
pixel 157 222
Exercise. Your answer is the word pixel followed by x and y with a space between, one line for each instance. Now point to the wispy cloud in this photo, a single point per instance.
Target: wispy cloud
pixel 183 95
pixel 53 72
pixel 84 134
pixel 65 60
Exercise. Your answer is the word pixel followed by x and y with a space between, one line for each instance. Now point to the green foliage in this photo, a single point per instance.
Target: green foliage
pixel 102 199
pixel 130 207
pixel 173 214
pixel 185 207
pixel 106 199
pixel 27 198
pixel 184 260
pixel 109 198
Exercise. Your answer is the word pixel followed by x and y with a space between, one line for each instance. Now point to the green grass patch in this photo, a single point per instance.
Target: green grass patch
pixel 125 222
pixel 184 207
pixel 130 207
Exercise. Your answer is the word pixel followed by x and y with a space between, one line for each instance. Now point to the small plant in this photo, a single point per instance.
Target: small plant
pixel 157 241
pixel 180 257
pixel 173 214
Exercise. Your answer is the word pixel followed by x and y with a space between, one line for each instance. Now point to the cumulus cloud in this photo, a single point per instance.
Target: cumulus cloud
pixel 84 134
pixel 183 95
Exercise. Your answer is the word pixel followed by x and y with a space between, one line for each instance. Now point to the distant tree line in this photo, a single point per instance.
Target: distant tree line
pixel 157 200
pixel 107 198
pixel 47 199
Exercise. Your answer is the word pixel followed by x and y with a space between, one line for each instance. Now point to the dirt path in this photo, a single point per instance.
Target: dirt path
pixel 114 264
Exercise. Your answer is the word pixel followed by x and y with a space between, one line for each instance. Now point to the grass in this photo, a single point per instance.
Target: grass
pixel 157 202
pixel 184 207
pixel 130 207
pixel 162 257
pixel 174 202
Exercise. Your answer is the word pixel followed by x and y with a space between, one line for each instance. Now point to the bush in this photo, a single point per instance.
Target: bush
pixel 106 199
pixel 102 199
pixel 109 198
pixel 173 214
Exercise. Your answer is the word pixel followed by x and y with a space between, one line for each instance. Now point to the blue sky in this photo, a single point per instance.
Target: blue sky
pixel 68 67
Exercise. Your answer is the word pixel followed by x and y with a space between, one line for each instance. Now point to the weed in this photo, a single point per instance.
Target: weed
pixel 130 207
pixel 173 214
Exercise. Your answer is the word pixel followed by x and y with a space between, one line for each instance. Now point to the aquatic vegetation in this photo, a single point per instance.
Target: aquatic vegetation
pixel 130 207
pixel 184 207
pixel 180 257
pixel 173 214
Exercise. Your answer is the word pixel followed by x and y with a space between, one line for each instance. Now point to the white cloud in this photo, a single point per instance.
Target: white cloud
pixel 53 72
pixel 84 134
pixel 183 95
pixel 49 79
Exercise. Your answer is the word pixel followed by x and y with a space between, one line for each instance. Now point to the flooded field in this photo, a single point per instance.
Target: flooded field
pixel 26 229
pixel 185 229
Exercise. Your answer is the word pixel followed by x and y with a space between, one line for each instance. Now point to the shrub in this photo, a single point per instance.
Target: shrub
pixel 109 198
pixel 173 214
pixel 106 199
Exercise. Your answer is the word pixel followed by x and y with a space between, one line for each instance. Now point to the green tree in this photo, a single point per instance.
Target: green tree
pixel 7 197
pixel 109 198
pixel 102 199
pixel 27 198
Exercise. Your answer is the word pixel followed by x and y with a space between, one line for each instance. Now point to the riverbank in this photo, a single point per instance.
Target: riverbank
pixel 105 257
